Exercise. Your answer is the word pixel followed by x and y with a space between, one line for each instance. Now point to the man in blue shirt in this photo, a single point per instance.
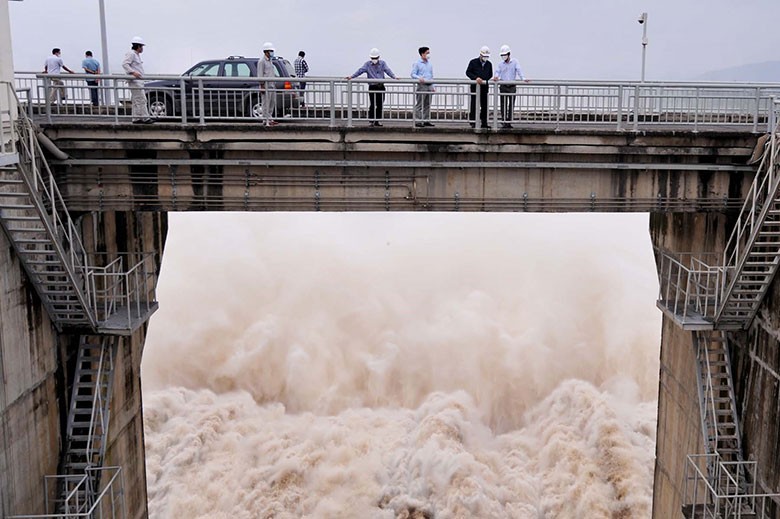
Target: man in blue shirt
pixel 375 68
pixel 91 66
pixel 508 70
pixel 422 71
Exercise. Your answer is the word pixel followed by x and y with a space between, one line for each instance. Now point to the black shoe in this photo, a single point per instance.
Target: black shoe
pixel 506 125
pixel 472 125
pixel 419 125
pixel 428 124
pixel 377 123
pixel 148 120
pixel 138 121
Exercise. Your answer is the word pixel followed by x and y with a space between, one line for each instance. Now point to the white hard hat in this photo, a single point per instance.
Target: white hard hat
pixel 137 40
pixel 484 51
pixel 505 50
pixel 268 46
pixel 374 53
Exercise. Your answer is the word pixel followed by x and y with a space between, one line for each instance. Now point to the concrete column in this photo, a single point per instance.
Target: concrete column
pixel 6 52
pixel 6 75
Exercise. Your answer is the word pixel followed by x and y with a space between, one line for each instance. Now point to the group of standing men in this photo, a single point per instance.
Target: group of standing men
pixel 55 65
pixel 132 65
pixel 479 69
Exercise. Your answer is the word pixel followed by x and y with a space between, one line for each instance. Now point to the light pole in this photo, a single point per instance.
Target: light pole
pixel 103 38
pixel 643 22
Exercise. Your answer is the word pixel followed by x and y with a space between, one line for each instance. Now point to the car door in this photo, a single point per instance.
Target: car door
pixel 205 74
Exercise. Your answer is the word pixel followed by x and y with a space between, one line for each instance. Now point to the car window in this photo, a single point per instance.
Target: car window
pixel 238 70
pixel 205 69
pixel 290 68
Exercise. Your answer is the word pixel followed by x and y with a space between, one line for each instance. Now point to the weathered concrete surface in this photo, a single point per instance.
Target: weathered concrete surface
pixel 31 377
pixel 246 168
pixel 36 367
pixel 755 357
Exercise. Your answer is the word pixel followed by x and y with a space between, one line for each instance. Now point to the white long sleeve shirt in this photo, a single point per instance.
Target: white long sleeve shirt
pixel 133 63
pixel 509 71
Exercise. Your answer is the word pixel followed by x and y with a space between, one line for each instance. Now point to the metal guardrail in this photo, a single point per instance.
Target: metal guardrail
pixel 720 496
pixel 339 102
pixel 120 292
pixel 690 285
pixel 109 502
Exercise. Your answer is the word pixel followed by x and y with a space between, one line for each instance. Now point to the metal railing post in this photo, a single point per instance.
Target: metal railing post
pixel 636 108
pixel 349 104
pixel 202 103
pixel 47 97
pixel 496 104
pixel 620 108
pixel 332 85
pixel 756 111
pixel 477 107
pixel 182 101
pixel 696 113
pixel 116 101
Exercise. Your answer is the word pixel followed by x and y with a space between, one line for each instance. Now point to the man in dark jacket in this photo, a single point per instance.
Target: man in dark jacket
pixel 481 70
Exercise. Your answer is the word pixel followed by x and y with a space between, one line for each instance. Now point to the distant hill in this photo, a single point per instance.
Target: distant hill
pixel 766 72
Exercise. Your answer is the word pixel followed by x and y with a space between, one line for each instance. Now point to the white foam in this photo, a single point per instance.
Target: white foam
pixel 381 365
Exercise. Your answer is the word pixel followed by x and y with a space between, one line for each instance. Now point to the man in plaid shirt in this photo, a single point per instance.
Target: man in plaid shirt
pixel 301 68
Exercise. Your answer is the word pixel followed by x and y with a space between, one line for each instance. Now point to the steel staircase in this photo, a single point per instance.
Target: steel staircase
pixel 78 294
pixel 716 396
pixel 89 413
pixel 34 216
pixel 752 253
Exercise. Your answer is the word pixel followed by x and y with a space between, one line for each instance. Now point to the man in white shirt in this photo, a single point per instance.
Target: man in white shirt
pixel 266 69
pixel 55 65
pixel 508 70
pixel 134 65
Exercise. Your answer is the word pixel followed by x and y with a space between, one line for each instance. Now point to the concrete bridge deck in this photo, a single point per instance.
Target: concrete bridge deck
pixel 304 167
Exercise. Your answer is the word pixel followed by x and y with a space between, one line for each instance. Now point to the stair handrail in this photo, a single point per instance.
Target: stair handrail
pixel 754 211
pixel 54 213
pixel 96 415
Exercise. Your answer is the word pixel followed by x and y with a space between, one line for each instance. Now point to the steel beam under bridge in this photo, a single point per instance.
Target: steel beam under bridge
pixel 231 167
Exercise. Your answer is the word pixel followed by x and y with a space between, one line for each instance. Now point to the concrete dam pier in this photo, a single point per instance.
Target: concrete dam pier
pixel 79 264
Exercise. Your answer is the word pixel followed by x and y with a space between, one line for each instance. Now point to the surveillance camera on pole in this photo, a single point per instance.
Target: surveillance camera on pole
pixel 643 22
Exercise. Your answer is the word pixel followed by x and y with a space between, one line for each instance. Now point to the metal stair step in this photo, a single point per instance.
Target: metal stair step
pixel 21 218
pixel 20 206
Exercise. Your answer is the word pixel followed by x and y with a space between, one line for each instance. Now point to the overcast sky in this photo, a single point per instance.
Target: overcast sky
pixel 565 39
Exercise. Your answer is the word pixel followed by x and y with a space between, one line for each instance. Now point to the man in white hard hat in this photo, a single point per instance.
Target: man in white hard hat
pixel 375 68
pixel 134 66
pixel 508 70
pixel 480 70
pixel 265 69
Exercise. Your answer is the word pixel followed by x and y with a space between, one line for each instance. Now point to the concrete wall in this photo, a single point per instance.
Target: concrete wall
pixel 755 357
pixel 36 369
pixel 31 381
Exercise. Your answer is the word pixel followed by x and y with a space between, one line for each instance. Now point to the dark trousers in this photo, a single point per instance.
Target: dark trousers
pixel 93 91
pixel 507 101
pixel 376 97
pixel 483 102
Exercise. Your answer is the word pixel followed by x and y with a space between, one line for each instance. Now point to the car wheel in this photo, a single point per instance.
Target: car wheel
pixel 253 106
pixel 160 105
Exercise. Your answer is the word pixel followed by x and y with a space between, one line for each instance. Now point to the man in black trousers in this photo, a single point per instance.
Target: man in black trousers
pixel 481 70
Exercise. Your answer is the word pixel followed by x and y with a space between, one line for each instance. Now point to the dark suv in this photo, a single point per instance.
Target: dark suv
pixel 218 97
